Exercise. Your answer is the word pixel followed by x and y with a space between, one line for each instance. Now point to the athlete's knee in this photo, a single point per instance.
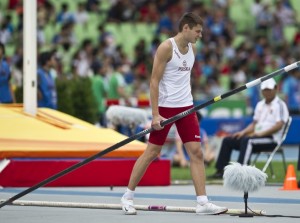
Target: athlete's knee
pixel 195 153
pixel 152 151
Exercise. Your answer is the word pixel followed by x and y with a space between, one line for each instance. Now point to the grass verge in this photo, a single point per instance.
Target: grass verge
pixel 183 174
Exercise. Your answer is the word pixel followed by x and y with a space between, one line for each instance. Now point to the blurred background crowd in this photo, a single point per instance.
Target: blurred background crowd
pixel 112 43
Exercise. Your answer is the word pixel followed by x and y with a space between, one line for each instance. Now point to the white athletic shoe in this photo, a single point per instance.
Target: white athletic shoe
pixel 127 206
pixel 210 209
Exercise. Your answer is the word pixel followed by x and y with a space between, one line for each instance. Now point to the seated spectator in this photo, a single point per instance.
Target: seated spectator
pixel 285 14
pixel 264 19
pixel 122 11
pixel 65 37
pixel 92 6
pixel 81 16
pixel 256 8
pixel 166 24
pixel 149 12
pixel 6 29
pixel 64 15
pixel 270 115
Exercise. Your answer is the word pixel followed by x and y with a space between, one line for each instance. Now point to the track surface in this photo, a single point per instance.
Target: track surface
pixel 271 199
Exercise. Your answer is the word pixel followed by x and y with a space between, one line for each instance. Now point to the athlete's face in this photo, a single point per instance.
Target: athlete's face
pixel 195 33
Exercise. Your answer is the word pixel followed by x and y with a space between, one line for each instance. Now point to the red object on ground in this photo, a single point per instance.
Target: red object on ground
pixel 100 172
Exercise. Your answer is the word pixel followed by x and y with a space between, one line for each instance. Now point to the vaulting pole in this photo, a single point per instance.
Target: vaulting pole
pixel 164 208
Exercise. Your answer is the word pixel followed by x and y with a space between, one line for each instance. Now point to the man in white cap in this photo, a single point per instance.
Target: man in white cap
pixel 264 132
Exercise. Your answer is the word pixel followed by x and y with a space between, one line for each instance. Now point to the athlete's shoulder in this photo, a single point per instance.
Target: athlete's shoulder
pixel 166 45
pixel 164 50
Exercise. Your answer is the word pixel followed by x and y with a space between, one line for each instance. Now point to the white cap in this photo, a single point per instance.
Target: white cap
pixel 268 84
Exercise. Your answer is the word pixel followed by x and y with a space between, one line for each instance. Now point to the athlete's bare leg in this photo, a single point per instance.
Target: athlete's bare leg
pixel 197 166
pixel 142 163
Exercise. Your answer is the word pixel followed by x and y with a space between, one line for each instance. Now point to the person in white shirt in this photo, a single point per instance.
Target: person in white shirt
pixel 81 16
pixel 170 94
pixel 270 116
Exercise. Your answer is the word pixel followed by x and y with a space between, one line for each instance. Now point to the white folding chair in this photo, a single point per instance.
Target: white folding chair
pixel 278 149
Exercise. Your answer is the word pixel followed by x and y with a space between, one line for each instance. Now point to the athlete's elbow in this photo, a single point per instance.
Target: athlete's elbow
pixel 154 83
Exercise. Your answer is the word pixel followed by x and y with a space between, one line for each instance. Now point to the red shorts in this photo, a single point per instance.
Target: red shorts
pixel 187 127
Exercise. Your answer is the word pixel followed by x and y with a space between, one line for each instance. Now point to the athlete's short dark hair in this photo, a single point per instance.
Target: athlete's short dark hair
pixel 191 19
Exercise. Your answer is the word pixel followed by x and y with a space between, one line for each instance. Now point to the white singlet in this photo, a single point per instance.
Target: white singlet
pixel 175 85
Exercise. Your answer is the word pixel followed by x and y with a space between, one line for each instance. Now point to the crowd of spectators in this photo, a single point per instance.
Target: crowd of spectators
pixel 226 57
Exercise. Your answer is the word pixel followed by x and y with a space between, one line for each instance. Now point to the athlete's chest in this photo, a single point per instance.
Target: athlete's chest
pixel 182 62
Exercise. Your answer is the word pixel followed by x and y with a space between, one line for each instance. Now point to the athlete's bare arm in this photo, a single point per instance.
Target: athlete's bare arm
pixel 162 56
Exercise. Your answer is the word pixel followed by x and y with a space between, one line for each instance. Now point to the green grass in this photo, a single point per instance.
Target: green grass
pixel 183 174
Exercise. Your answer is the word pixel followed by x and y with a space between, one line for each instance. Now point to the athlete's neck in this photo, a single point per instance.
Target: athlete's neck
pixel 180 41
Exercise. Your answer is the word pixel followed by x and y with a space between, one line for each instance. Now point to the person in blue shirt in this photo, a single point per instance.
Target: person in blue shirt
pixel 46 84
pixel 291 90
pixel 6 92
pixel 65 15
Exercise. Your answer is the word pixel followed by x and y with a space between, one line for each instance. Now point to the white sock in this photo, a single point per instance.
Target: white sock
pixel 202 199
pixel 129 194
